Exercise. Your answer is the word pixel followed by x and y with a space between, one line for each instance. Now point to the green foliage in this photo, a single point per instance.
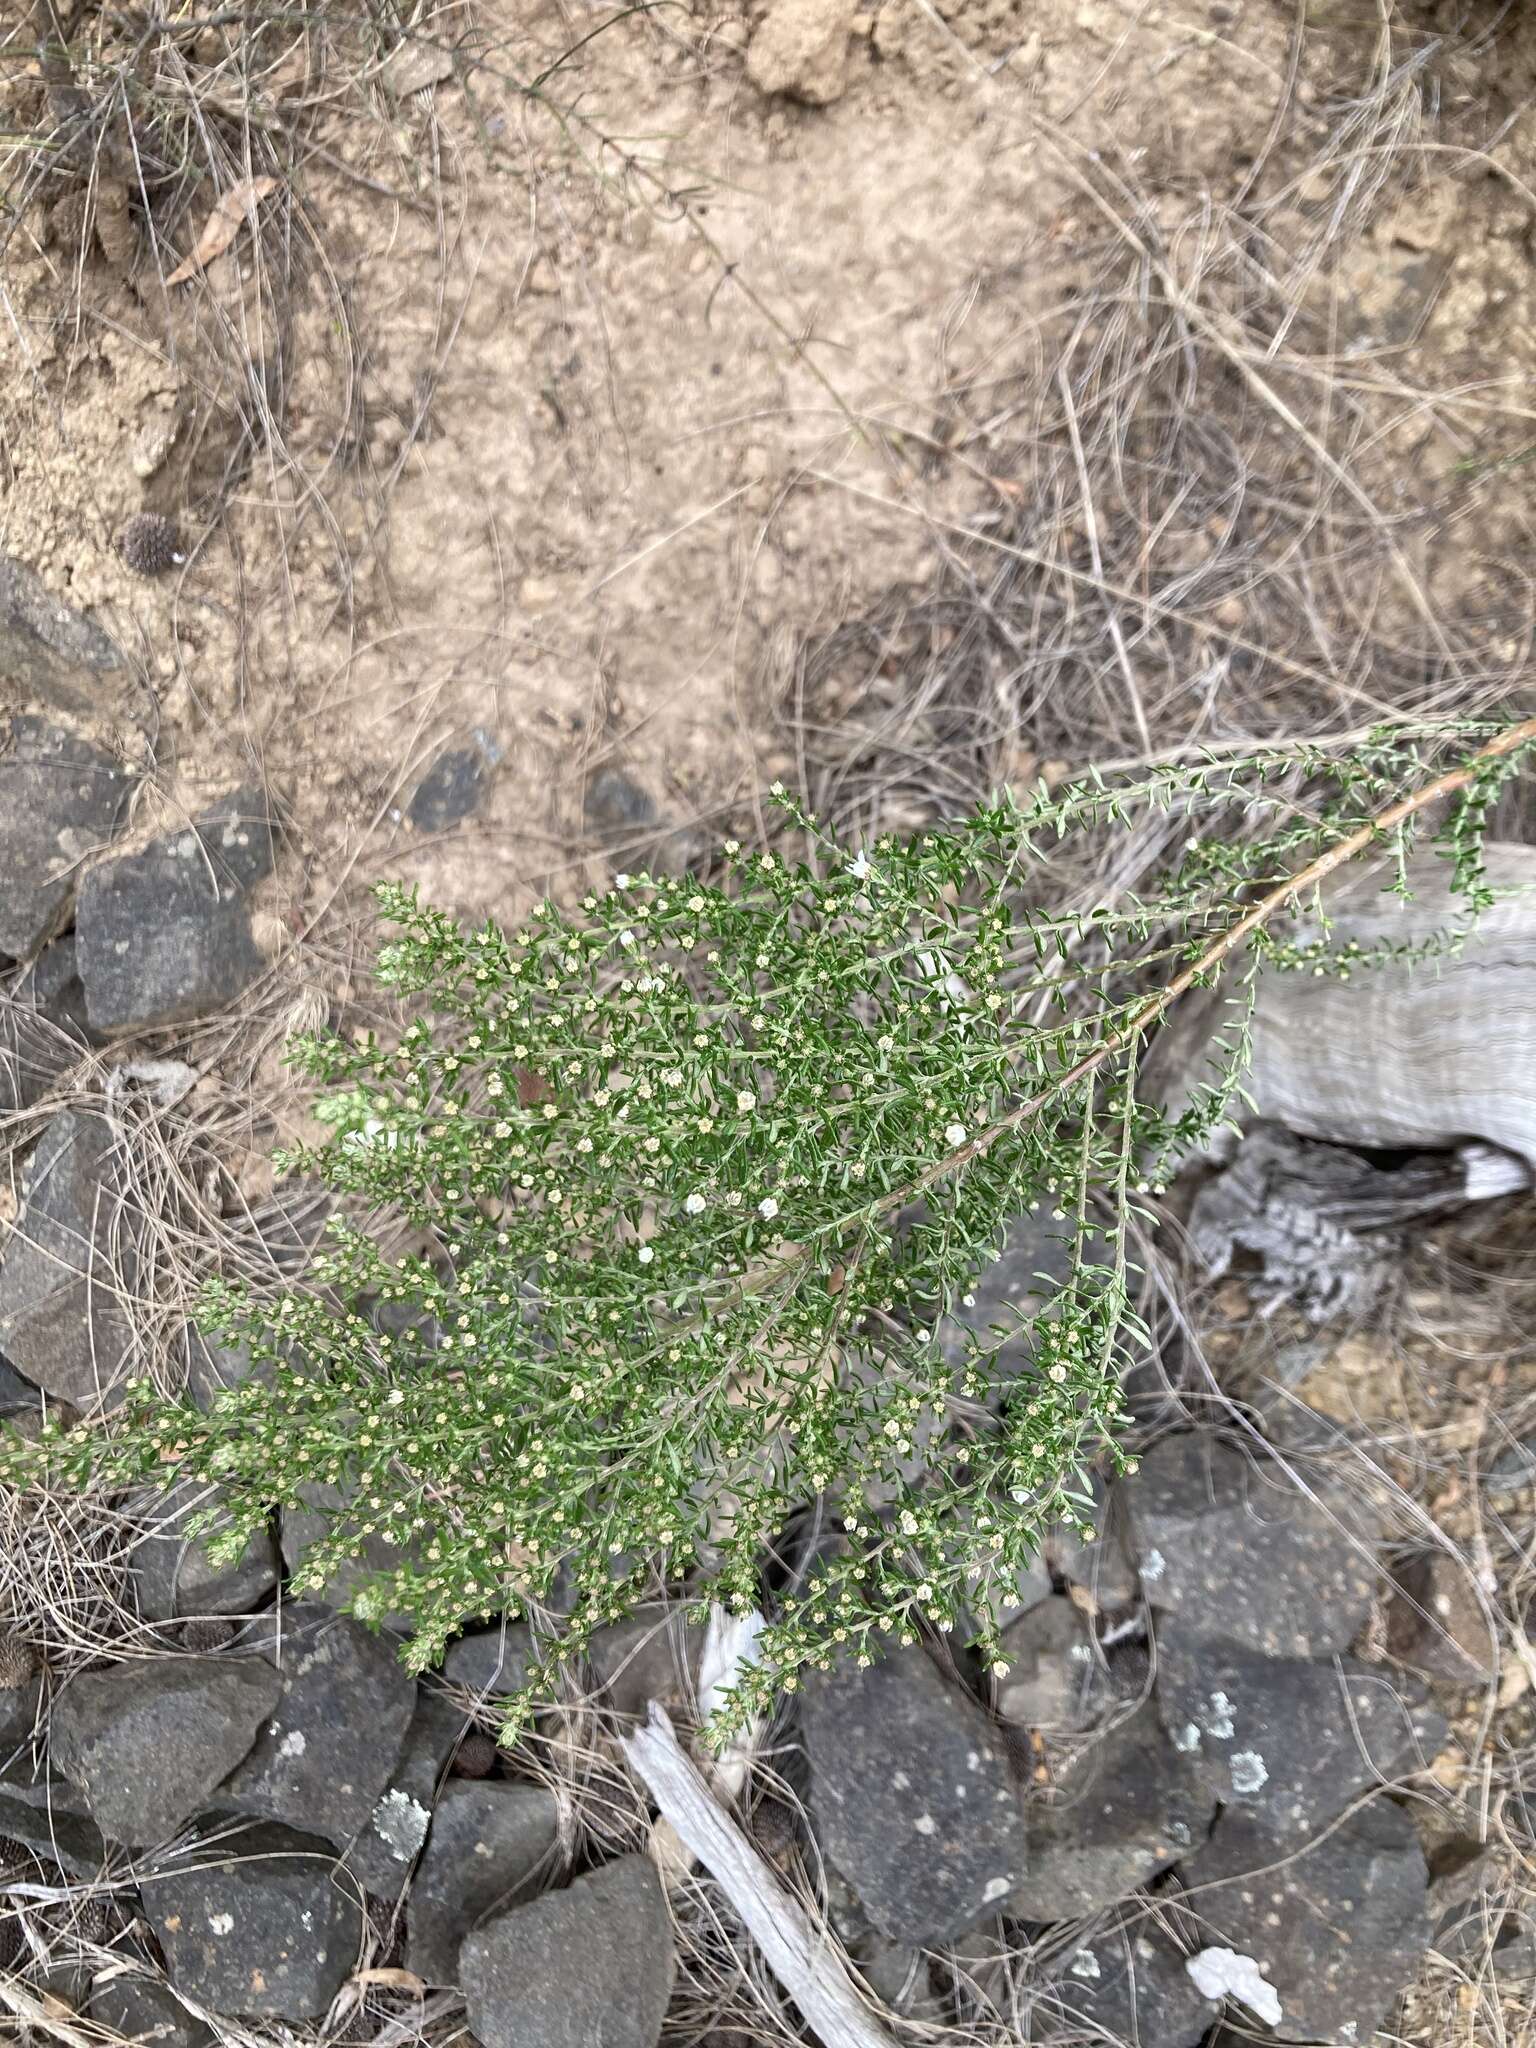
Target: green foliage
pixel 693 1177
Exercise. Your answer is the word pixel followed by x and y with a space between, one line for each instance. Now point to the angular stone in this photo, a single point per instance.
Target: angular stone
pixel 147 1743
pixel 1007 1294
pixel 163 934
pixel 1290 1743
pixel 213 1368
pixel 70 1265
pixel 1123 1808
pixel 51 1831
pixel 47 650
pixel 384 1851
pixel 1240 1553
pixel 270 1930
pixel 1102 1567
pixel 912 1796
pixel 491 1661
pixel 651 1655
pixel 489 1841
pixel 1291 1906
pixel 593 1963
pixel 61 798
pixel 326 1755
pixel 173 1573
pixel 800 49
pixel 145 2011
pixel 616 806
pixel 305 1526
pixel 1130 1984
pixel 1437 1625
pixel 50 988
pixel 16 1394
pixel 1054 1680
pixel 454 786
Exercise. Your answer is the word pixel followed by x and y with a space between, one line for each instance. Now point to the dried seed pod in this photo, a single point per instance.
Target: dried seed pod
pixel 18 1662
pixel 150 544
pixel 475 1756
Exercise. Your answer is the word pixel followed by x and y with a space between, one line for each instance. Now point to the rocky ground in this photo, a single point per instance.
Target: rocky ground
pixel 1035 385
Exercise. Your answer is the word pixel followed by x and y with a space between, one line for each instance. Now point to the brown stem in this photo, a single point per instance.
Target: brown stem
pixel 1220 950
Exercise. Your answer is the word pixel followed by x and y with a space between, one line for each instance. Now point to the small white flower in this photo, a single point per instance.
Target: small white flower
pixel 695 903
pixel 626 937
pixel 733 846
pixel 645 1255
pixel 954 1134
pixel 860 867
pixel 767 1208
pixel 694 1205
pixel 394 1397
pixel 775 789
pixel 621 881
pixel 746 1101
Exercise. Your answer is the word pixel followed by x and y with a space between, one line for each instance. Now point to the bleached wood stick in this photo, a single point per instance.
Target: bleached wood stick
pixel 808 1968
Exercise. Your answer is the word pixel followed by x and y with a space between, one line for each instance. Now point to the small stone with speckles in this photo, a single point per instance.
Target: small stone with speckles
pixel 1288 1742
pixel 61 798
pixel 1233 1546
pixel 142 2010
pixel 163 934
pixel 382 1855
pixel 173 1573
pixel 911 1796
pixel 68 1264
pixel 327 1752
pixel 1128 1983
pixel 1123 1808
pixel 1336 1925
pixel 593 1963
pixel 147 1742
pixel 488 1841
pixel 269 1930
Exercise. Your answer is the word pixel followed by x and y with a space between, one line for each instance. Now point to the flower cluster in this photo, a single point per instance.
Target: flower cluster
pixel 697 1176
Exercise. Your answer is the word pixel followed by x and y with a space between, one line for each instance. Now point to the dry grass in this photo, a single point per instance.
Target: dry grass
pixel 1186 533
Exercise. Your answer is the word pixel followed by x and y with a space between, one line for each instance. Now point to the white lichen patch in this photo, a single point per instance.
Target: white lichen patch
pixel 1216 1717
pixel 1085 1964
pixel 221 1923
pixel 292 1743
pixel 925 1824
pixel 1249 1772
pixel 1153 1565
pixel 400 1822
pixel 1187 1738
pixel 1223 1973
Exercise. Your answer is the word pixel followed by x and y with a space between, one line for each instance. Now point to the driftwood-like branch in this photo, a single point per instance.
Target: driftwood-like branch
pixel 807 1966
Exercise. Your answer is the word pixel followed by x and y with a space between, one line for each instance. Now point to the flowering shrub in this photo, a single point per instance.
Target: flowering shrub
pixel 692 1174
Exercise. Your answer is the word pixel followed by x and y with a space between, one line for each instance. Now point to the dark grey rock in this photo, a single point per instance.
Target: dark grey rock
pixel 1130 1984
pixel 213 1368
pixel 60 799
pixel 454 786
pixel 1234 1548
pixel 51 1831
pixel 147 1743
pixel 70 1265
pixel 16 1394
pixel 164 934
pixel 898 1977
pixel 305 1526
pixel 384 1851
pixel 1007 1294
pixel 1055 1681
pixel 175 1576
pixel 491 1661
pixel 328 1751
pixel 50 988
pixel 1102 1567
pixel 912 1796
pixel 1437 1625
pixel 1007 1598
pixel 591 1964
pixel 1289 1742
pixel 1123 1807
pixel 616 806
pixel 21 1716
pixel 1291 1908
pixel 651 1655
pixel 267 1927
pixel 147 2012
pixel 47 650
pixel 490 1840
